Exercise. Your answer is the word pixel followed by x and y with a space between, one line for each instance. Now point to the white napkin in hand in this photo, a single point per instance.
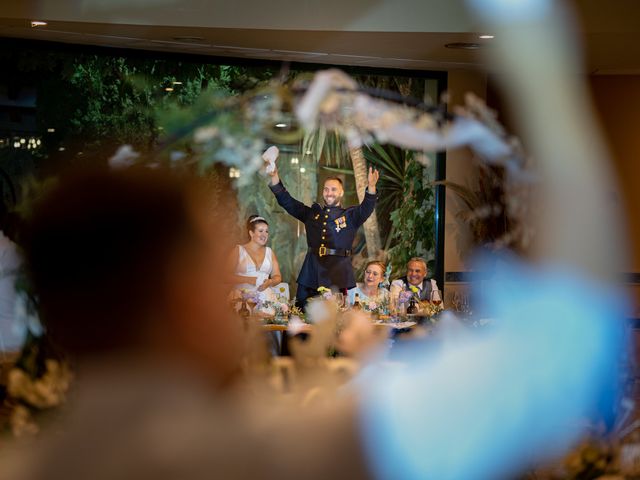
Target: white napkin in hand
pixel 270 155
pixel 261 277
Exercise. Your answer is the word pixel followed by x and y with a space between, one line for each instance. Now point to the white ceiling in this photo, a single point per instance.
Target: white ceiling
pixel 409 34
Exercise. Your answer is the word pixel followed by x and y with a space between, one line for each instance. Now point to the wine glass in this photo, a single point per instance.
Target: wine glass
pixel 340 299
pixel 251 303
pixel 435 297
pixel 393 306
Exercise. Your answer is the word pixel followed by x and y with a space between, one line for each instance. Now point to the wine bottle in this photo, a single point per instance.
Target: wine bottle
pixel 356 302
pixel 244 311
pixel 412 309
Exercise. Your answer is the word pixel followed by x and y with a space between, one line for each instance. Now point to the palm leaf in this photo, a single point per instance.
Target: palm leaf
pixel 338 170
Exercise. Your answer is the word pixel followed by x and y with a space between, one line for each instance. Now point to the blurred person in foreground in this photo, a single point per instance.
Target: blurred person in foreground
pixel 125 265
pixel 12 334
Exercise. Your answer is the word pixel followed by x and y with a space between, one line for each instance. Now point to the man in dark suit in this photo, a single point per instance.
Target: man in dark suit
pixel 416 276
pixel 331 230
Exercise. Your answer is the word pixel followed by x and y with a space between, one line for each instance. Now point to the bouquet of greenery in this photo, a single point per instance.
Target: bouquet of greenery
pixel 280 310
pixel 377 306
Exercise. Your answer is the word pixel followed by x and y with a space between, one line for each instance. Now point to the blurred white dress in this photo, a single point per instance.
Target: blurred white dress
pixel 246 267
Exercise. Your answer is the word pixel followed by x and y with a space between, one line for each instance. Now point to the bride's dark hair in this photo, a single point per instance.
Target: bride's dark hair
pixel 253 221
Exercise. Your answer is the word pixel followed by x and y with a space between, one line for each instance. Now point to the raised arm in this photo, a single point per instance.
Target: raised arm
pixel 368 204
pixel 294 207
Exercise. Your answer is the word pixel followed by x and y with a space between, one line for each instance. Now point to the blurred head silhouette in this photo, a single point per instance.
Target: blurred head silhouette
pixel 124 262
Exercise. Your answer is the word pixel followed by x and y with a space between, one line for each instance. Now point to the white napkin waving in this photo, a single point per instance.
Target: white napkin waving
pixel 269 156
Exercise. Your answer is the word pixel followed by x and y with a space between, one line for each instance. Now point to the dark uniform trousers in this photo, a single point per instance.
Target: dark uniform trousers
pixel 328 229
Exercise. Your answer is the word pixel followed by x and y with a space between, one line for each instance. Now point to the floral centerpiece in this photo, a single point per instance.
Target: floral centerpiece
pixel 430 309
pixel 426 308
pixel 378 306
pixel 279 311
pixel 405 297
pixel 326 293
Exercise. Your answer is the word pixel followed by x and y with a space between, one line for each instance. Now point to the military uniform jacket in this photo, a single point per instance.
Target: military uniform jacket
pixel 329 227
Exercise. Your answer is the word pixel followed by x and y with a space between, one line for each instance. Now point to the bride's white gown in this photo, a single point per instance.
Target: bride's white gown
pixel 246 267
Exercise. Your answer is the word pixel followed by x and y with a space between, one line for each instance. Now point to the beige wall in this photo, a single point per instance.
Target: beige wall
pixel 617 101
pixel 460 169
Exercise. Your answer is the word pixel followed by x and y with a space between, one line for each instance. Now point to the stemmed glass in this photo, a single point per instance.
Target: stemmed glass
pixel 435 297
pixel 251 303
pixel 340 299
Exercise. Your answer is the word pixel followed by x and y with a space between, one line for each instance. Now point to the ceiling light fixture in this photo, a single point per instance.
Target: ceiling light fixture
pixel 281 125
pixel 51 130
pixel 38 23
pixel 168 89
pixel 177 83
pixel 486 37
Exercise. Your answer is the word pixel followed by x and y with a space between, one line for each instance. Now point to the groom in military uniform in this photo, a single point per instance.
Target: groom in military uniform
pixel 331 230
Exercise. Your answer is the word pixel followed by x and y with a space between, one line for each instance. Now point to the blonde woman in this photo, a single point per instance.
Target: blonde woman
pixel 370 291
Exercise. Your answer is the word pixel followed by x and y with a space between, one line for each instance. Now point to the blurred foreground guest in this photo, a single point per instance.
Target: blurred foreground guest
pixel 126 268
pixel 12 334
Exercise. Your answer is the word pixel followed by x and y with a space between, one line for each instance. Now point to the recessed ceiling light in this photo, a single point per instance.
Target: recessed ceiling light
pixel 281 125
pixel 463 46
pixel 302 169
pixel 38 23
pixel 61 149
pixel 51 130
pixel 486 37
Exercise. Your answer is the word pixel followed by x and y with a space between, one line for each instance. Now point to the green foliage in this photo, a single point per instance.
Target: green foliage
pixel 406 209
pixel 96 102
pixel 327 147
pixel 414 220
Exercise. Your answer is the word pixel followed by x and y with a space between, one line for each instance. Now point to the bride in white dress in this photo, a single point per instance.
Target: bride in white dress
pixel 255 265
